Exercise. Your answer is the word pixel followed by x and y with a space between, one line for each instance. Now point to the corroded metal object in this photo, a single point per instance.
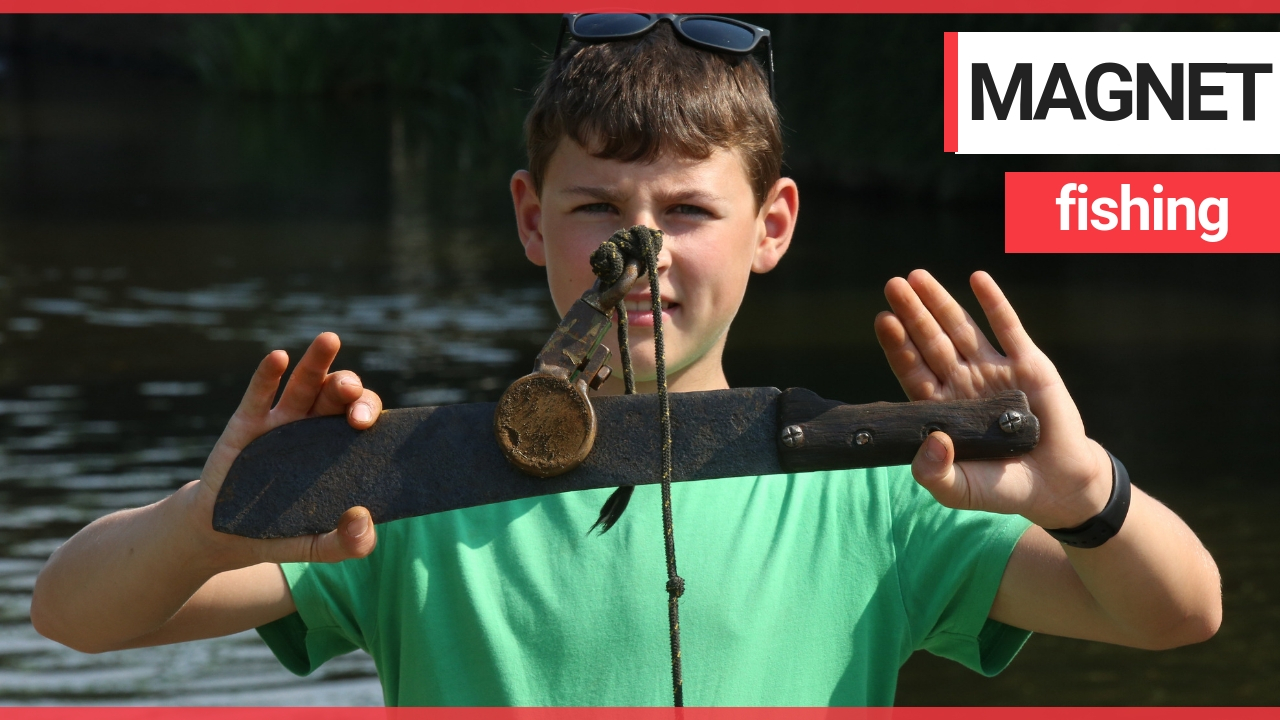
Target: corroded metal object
pixel 544 422
pixel 300 478
pixel 545 425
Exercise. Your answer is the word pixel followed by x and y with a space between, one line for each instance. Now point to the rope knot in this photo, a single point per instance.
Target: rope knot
pixel 633 243
pixel 675 586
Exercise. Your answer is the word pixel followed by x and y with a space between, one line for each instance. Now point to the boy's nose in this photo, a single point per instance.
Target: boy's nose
pixel 664 255
pixel 649 220
pixel 641 217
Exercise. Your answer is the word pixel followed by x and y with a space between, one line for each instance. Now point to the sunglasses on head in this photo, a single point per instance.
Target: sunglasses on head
pixel 707 32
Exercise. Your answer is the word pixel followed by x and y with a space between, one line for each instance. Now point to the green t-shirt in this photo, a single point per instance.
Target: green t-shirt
pixel 808 589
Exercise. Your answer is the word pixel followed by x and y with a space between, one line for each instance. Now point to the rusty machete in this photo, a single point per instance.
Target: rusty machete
pixel 299 478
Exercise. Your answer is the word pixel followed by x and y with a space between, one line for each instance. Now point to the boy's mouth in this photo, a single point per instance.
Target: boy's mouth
pixel 640 310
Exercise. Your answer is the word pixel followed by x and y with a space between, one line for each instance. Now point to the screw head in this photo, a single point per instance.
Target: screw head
pixel 862 437
pixel 792 436
pixel 1010 421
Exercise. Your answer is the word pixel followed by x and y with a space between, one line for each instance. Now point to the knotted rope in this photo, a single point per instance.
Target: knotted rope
pixel 608 261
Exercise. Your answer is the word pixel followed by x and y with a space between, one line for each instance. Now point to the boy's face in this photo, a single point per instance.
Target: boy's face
pixel 714 238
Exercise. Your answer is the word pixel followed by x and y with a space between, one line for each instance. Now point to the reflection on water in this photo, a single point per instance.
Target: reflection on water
pixel 63 466
pixel 128 330
pixel 154 245
pixel 392 330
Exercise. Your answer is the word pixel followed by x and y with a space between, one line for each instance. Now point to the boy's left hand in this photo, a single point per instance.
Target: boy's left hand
pixel 1151 586
pixel 938 352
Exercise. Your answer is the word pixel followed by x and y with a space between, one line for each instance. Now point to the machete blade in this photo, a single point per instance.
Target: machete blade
pixel 299 478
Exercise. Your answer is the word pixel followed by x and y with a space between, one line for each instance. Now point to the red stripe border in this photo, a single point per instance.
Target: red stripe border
pixel 902 713
pixel 685 6
pixel 950 92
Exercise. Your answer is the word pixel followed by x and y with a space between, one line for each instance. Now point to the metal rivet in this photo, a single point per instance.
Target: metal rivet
pixel 862 437
pixel 1010 421
pixel 793 436
pixel 602 375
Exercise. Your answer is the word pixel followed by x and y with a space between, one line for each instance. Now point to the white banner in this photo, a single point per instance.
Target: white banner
pixel 1116 93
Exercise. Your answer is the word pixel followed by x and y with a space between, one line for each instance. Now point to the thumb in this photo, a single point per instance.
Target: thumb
pixel 934 468
pixel 354 537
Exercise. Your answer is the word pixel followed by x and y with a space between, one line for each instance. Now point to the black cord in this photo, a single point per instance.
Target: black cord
pixel 675 583
pixel 607 261
pixel 624 350
pixel 616 504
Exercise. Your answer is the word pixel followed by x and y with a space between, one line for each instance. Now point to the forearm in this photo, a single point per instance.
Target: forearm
pixel 1151 586
pixel 161 574
pixel 126 574
pixel 1154 579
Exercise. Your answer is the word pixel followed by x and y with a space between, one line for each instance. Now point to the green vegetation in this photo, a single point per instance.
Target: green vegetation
pixel 460 84
pixel 860 94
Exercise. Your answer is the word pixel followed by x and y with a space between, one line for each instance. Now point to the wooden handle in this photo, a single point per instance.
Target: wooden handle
pixel 819 434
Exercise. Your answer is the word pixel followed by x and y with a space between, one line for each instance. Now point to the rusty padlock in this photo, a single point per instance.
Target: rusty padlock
pixel 544 422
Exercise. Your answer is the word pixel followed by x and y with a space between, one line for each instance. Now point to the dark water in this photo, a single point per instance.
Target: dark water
pixel 155 243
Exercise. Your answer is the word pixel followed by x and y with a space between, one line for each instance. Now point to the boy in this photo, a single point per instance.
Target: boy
pixel 802 590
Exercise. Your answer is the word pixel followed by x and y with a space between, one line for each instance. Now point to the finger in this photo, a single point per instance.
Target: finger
pixel 954 320
pixel 249 420
pixel 915 377
pixel 364 412
pixel 304 383
pixel 935 469
pixel 925 332
pixel 1004 321
pixel 262 386
pixel 338 390
pixel 354 537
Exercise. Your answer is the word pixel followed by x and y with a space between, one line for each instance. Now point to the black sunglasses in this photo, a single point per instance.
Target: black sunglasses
pixel 708 32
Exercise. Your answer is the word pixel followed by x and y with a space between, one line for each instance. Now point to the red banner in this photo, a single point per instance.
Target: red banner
pixel 685 6
pixel 1003 713
pixel 1141 212
pixel 950 92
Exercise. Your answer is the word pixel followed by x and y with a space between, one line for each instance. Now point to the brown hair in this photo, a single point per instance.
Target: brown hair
pixel 632 100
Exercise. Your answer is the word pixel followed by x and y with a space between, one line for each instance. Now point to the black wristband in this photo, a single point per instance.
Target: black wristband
pixel 1103 526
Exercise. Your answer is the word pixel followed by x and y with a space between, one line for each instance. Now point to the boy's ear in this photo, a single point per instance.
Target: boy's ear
pixel 778 215
pixel 528 217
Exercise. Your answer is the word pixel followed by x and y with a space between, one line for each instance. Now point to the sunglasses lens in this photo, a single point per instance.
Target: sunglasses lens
pixel 609 25
pixel 720 34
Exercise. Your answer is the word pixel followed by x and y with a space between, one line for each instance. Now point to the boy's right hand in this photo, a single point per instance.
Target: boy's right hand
pixel 161 573
pixel 311 391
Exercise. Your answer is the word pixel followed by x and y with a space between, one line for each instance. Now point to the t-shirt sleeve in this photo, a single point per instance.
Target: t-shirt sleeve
pixel 950 563
pixel 329 620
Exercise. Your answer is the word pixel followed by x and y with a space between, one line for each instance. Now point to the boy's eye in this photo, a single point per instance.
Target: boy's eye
pixel 690 210
pixel 595 208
